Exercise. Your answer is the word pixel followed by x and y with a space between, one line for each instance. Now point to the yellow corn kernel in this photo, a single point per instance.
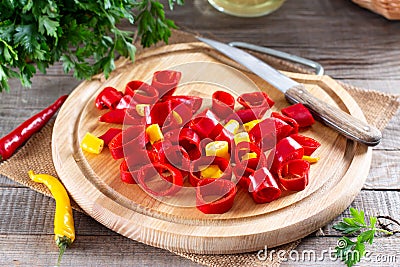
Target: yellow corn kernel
pixel 177 117
pixel 140 109
pixel 311 159
pixel 212 171
pixel 154 133
pixel 250 125
pixel 218 148
pixel 92 144
pixel 250 155
pixel 232 126
pixel 241 137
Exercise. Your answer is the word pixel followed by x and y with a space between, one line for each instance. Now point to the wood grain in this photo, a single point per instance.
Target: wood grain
pixel 93 180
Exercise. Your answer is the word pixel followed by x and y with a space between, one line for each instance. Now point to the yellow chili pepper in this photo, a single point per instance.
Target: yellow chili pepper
pixel 63 220
pixel 218 148
pixel 311 159
pixel 154 133
pixel 250 155
pixel 241 137
pixel 232 126
pixel 250 125
pixel 140 109
pixel 212 171
pixel 92 144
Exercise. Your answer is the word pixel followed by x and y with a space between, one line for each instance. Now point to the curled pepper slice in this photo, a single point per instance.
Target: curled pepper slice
pixel 194 102
pixel 113 116
pixel 293 175
pixel 263 187
pixel 141 92
pixel 224 192
pixel 222 103
pixel 109 97
pixel 300 114
pixel 309 144
pixel 190 141
pixel 165 82
pixel 130 141
pixel 255 100
pixel 246 115
pixel 286 149
pixel 170 183
pixel 205 123
pixel 205 161
pixel 256 162
pixel 126 173
pixel 288 120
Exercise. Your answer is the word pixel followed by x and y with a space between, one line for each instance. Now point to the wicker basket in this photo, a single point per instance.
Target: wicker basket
pixel 390 9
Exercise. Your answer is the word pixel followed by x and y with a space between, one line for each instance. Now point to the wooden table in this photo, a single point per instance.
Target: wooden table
pixel 354 45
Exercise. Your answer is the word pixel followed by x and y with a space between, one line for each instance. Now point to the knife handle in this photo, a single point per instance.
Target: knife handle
pixel 335 118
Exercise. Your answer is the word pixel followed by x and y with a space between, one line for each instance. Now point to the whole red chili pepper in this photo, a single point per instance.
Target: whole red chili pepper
pixel 293 175
pixel 13 140
pixel 224 189
pixel 109 135
pixel 109 97
pixel 300 113
pixel 309 144
pixel 222 103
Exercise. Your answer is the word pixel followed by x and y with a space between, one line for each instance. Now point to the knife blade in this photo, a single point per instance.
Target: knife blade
pixel 349 126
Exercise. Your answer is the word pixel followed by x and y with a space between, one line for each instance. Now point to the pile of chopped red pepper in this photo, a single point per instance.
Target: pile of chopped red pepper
pixel 171 140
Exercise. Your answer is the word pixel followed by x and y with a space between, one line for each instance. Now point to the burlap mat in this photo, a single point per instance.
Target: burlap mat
pixel 378 108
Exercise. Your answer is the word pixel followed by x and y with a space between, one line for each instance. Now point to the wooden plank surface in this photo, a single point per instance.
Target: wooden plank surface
pixel 354 45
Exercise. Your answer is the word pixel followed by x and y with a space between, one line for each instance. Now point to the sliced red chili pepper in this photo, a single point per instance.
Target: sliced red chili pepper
pixel 127 174
pixel 12 141
pixel 109 135
pixel 170 183
pixel 116 116
pixel 299 113
pixel 125 102
pixel 223 191
pixel 288 120
pixel 141 92
pixel 268 132
pixel 286 149
pixel 263 187
pixel 109 97
pixel 255 99
pixel 166 81
pixel 177 157
pixel 243 148
pixel 246 115
pixel 205 123
pixel 242 176
pixel 309 144
pixel 223 103
pixel 194 102
pixel 223 165
pixel 293 175
pixel 190 141
pixel 130 141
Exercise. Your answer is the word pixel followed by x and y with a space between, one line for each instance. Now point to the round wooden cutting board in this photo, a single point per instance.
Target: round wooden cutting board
pixel 93 180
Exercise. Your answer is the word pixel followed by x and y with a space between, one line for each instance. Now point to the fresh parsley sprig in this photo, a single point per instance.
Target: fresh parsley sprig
pixel 351 251
pixel 83 35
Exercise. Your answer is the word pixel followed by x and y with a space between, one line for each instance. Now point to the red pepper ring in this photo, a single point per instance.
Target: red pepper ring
pixel 309 144
pixel 194 102
pixel 293 175
pixel 300 114
pixel 171 183
pixel 224 189
pixel 255 100
pixel 288 120
pixel 286 149
pixel 128 142
pixel 190 141
pixel 223 103
pixel 141 92
pixel 263 187
pixel 245 147
pixel 109 97
pixel 113 116
pixel 165 82
pixel 222 163
pixel 126 173
pixel 109 135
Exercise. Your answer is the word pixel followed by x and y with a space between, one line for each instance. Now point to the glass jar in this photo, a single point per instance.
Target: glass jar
pixel 246 8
